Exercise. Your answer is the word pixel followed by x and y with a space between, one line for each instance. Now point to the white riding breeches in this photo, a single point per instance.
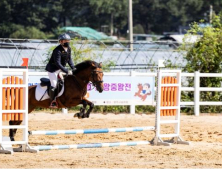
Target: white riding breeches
pixel 53 77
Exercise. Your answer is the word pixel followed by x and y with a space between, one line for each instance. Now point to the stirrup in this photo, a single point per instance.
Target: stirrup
pixel 53 105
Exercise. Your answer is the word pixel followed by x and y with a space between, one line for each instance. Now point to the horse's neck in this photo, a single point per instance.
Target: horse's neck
pixel 80 79
pixel 83 77
pixel 75 82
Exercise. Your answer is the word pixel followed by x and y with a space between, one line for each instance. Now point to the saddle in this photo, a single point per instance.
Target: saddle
pixel 60 83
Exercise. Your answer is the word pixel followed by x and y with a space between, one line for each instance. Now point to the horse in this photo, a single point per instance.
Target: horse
pixel 75 88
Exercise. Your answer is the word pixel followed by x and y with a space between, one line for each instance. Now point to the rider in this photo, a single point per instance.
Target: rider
pixel 61 55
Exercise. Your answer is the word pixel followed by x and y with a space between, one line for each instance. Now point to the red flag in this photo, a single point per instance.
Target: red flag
pixel 25 62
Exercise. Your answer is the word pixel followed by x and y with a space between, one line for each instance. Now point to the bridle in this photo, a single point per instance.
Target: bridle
pixel 93 73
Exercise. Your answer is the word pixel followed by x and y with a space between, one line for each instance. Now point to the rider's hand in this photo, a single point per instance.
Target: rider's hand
pixel 69 72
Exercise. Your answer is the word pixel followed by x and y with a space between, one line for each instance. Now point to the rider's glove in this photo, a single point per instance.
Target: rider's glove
pixel 69 72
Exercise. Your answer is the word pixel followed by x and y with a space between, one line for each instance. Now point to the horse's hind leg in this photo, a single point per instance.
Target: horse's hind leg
pixel 12 132
pixel 81 114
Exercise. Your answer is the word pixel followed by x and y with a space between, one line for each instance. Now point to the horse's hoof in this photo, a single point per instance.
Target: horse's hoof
pixel 86 116
pixel 12 139
pixel 77 115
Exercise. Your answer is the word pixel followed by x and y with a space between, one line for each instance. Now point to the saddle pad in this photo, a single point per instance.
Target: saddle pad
pixel 39 92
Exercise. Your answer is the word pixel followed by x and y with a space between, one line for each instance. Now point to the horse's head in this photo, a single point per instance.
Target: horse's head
pixel 97 76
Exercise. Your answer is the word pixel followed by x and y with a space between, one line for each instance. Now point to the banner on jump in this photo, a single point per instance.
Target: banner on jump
pixel 119 90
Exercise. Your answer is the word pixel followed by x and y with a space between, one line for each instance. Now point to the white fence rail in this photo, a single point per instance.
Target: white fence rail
pixel 197 89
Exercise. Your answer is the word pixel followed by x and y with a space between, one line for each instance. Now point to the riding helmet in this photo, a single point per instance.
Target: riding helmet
pixel 64 37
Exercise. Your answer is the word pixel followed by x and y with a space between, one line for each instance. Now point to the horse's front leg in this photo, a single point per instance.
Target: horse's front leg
pixel 91 106
pixel 81 114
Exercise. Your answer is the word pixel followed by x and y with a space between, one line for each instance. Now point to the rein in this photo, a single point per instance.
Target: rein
pixel 94 82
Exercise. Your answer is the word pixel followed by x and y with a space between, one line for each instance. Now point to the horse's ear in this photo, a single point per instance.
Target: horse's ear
pixel 93 65
pixel 100 65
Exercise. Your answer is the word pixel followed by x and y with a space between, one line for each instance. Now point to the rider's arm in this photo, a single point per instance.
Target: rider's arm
pixel 57 59
pixel 70 62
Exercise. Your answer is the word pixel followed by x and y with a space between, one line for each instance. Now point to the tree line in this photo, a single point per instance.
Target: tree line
pixel 43 18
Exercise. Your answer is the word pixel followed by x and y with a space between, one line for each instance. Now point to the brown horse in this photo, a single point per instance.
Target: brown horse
pixel 75 88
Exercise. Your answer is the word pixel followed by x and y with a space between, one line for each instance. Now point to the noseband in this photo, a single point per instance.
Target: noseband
pixel 94 82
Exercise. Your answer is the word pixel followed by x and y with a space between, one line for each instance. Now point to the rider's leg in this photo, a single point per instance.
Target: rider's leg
pixel 52 90
pixel 52 95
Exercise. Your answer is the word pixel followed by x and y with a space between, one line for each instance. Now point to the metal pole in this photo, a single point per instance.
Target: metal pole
pixel 111 25
pixel 211 13
pixel 132 106
pixel 130 25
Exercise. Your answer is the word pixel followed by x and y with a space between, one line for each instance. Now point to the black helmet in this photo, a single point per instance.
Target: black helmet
pixel 64 37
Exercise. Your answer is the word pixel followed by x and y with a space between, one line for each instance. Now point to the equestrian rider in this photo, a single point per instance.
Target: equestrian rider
pixel 61 55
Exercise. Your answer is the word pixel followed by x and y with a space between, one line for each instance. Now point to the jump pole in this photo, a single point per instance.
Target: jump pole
pixel 92 131
pixel 91 145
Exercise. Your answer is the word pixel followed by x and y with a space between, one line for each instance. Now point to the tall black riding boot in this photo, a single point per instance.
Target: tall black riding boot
pixel 52 95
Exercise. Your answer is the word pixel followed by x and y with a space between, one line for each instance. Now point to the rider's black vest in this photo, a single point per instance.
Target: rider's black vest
pixel 59 59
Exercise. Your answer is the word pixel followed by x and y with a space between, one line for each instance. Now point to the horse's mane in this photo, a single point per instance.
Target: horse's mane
pixel 85 64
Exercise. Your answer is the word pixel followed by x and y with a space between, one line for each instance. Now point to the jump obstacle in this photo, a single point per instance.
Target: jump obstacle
pixel 16 96
pixel 168 104
pixel 92 131
pixel 14 107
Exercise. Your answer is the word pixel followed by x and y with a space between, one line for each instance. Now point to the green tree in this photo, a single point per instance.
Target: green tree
pixel 205 56
pixel 28 33
pixel 78 13
pixel 18 14
pixel 155 16
pixel 161 15
pixel 112 13
pixel 138 29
